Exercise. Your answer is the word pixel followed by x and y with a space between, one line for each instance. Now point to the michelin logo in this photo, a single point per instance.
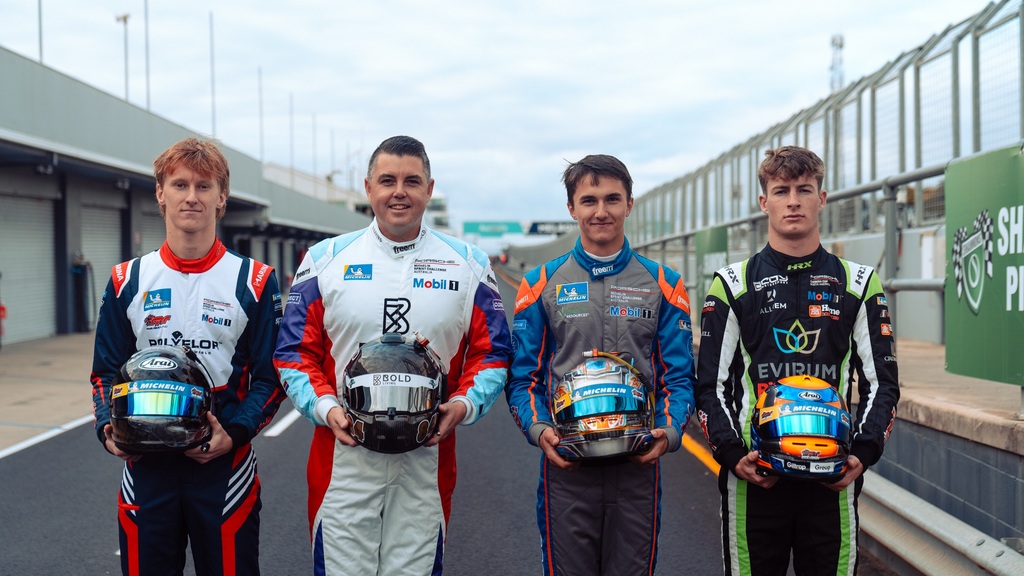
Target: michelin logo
pixel 358 272
pixel 575 292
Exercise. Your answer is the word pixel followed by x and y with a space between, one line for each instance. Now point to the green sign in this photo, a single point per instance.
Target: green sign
pixel 492 228
pixel 712 247
pixel 984 300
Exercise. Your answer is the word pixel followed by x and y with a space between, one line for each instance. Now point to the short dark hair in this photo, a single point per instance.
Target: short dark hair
pixel 400 146
pixel 790 163
pixel 595 166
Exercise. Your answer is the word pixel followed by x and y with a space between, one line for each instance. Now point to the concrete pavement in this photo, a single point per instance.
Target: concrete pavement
pixel 45 385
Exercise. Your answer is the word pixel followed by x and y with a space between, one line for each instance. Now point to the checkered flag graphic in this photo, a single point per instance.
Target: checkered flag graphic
pixel 984 224
pixel 958 259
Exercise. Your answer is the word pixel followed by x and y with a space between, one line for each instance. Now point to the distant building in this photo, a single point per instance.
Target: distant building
pixel 319 187
pixel 437 213
pixel 324 188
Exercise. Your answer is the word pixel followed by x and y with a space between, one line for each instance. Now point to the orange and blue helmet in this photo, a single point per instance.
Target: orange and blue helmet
pixel 603 408
pixel 801 428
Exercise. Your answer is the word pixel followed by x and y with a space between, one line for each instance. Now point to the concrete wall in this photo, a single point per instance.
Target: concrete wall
pixel 977 483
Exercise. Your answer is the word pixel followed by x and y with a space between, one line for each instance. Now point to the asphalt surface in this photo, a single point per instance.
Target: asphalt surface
pixel 59 491
pixel 58 502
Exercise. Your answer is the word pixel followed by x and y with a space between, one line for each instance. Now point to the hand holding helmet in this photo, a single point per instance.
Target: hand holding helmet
pixel 603 408
pixel 159 402
pixel 801 429
pixel 391 391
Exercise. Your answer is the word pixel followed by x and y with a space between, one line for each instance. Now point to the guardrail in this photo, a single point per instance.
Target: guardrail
pixel 927 539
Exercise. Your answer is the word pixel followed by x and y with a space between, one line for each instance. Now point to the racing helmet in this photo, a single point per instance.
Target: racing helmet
pixel 391 390
pixel 801 428
pixel 604 407
pixel 159 401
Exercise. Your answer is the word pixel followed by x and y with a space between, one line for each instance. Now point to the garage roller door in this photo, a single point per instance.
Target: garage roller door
pixel 101 246
pixel 28 281
pixel 153 231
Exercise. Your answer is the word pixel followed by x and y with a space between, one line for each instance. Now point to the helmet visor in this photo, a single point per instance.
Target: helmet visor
pixel 599 400
pixel 159 398
pixel 807 424
pixel 382 391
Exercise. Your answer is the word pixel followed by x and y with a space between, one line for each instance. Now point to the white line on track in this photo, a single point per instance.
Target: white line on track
pixel 280 426
pixel 45 436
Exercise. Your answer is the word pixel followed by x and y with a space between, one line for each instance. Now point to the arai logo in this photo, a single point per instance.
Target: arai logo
pixel 158 364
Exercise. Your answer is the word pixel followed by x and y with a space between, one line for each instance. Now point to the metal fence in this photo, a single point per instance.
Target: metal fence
pixel 957 94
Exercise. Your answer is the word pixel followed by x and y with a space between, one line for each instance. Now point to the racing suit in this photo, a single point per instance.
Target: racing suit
pixel 226 308
pixel 604 517
pixel 773 316
pixel 369 512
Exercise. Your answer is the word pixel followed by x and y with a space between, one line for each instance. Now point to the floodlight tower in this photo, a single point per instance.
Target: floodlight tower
pixel 837 62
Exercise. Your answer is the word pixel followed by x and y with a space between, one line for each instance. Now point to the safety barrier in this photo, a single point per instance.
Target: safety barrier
pixel 926 539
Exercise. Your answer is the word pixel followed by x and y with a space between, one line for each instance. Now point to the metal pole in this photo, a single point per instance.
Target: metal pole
pixel 39 13
pixel 891 244
pixel 145 16
pixel 213 91
pixel 291 138
pixel 259 82
pixel 316 181
pixel 123 18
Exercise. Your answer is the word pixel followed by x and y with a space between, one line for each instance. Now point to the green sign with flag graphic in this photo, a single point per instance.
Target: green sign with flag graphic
pixel 984 299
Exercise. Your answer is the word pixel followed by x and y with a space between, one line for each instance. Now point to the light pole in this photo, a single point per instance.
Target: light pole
pixel 123 18
pixel 39 15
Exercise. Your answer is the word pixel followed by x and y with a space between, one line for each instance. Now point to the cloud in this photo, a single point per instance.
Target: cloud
pixel 502 94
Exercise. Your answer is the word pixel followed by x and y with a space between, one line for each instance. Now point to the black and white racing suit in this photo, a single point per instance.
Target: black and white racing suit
pixel 773 316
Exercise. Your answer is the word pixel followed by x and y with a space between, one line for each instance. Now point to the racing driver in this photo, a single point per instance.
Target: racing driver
pixel 371 512
pixel 793 308
pixel 193 292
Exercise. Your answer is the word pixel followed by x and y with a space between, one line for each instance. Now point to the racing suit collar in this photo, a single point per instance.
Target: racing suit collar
pixel 795 264
pixel 599 268
pixel 397 249
pixel 193 266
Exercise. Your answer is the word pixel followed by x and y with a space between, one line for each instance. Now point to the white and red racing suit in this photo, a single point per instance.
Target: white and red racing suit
pixel 374 513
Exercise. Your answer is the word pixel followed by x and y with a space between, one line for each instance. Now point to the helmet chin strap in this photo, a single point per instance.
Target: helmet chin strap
pixel 191 355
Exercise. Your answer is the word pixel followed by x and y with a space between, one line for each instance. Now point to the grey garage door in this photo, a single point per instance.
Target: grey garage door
pixel 28 281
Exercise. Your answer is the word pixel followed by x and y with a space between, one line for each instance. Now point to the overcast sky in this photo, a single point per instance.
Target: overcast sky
pixel 502 94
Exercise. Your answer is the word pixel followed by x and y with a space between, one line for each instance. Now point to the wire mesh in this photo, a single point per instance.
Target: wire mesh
pixel 999 82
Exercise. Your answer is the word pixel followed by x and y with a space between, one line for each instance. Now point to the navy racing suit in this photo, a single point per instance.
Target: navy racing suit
pixel 227 308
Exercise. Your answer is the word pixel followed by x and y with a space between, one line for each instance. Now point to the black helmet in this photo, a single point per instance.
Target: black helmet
pixel 159 401
pixel 391 390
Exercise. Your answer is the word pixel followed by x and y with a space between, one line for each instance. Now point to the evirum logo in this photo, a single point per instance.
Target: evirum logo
pixel 796 340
